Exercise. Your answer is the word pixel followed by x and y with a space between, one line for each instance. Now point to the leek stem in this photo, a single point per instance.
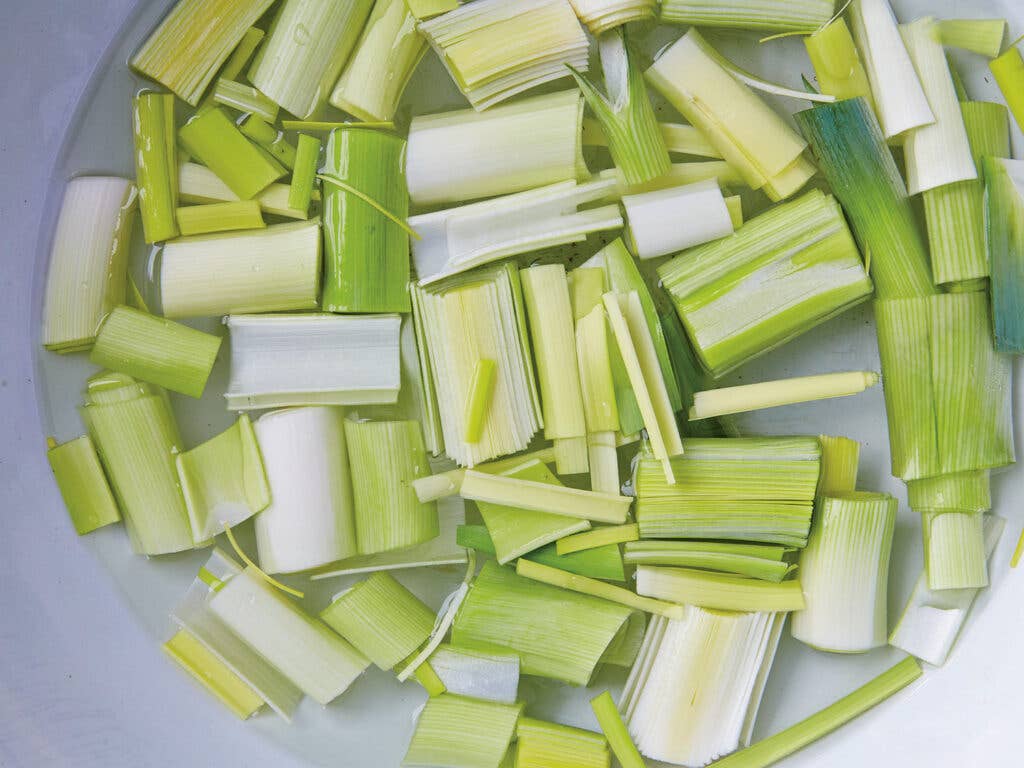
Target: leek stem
pixel 1008 70
pixel 615 731
pixel 156 165
pixel 481 389
pixel 772 394
pixel 269 139
pixel 599 537
pixel 427 677
pixel 541 497
pixel 220 217
pixel 307 160
pixel 325 126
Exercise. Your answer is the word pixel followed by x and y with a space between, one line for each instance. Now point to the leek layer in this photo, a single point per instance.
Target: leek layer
pixel 1004 226
pixel 718 591
pixel 460 732
pixel 83 486
pixel 541 744
pixel 768 15
pixel 758 561
pixel 213 674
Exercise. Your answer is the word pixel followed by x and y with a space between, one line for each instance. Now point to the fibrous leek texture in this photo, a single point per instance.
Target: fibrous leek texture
pixel 802 16
pixel 748 489
pixel 670 220
pixel 83 486
pixel 1004 226
pixel 156 163
pixel 541 744
pixel 479 674
pixel 718 591
pixel 460 732
pixel 545 497
pixel 86 277
pixel 780 274
pixel 616 732
pixel 837 64
pixel 981 36
pixel 245 99
pixel 724 401
pixel 599 16
pixel 1008 71
pixel 756 561
pixel 958 492
pixel 954 550
pixel 695 689
pixel 219 217
pixel 313 359
pixel 210 672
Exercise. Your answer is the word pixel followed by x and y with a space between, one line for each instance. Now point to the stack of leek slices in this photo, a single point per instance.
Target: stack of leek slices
pixel 503 339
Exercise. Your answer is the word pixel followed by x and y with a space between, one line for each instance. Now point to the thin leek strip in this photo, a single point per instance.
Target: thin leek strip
pixel 718 591
pixel 478 674
pixel 137 438
pixel 464 155
pixel 481 389
pixel 498 49
pixel 219 217
pixel 840 457
pixel 301 647
pixel 599 537
pixel 800 16
pixel 541 744
pixel 557 634
pixel 674 219
pixel 932 620
pixel 954 550
pixel 382 619
pixel 765 86
pixel 341 184
pixel 852 154
pixel 542 497
pixel 772 394
pixel 1004 226
pixel 385 457
pixel 194 39
pixel 155 164
pixel 210 672
pixel 384 59
pixel 198 184
pixel 269 139
pixel 237 61
pixel 88 260
pixel 603 458
pixel 443 484
pixel 313 359
pixel 1017 552
pixel 83 486
pixel 267 270
pixel 217 142
pixel 367 255
pixel 545 574
pixel 616 732
pixel 679 139
pixel 836 62
pixel 900 101
pixel 599 16
pixel 774 748
pixel 223 480
pixel 756 561
pixel 426 9
pixel 626 116
pixel 958 492
pixel 307 161
pixel 460 732
pixel 426 677
pixel 156 350
pixel 309 43
pixel 270 580
pixel 244 98
pixel 981 36
pixel 678 174
pixel 326 126
pixel 1008 70
pixel 936 154
pixel 749 135
pixel 844 572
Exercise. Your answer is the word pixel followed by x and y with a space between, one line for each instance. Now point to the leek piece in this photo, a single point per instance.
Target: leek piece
pixel 309 43
pixel 307 161
pixel 384 59
pixel 309 522
pixel 269 139
pixel 188 47
pixel 678 174
pixel 748 134
pixel 217 142
pixel 696 687
pixel 199 184
pixel 465 155
pixel 244 98
pixel 932 619
pixel 1004 226
pixel 223 480
pixel 954 550
pixel 385 457
pixel 83 486
pixel 458 239
pixel 958 492
pixel 219 217
pixel 599 537
pixel 460 732
pixel 382 619
pixel 545 574
pixel 747 489
pixel 797 16
pixel 302 648
pixel 497 48
pixel 426 9
pixel 780 274
pixel 210 672
pixel 599 16
pixel 558 634
pixel 481 389
pixel 626 115
pixel 586 287
pixel 836 62
pixel 684 140
pixel 936 154
pixel 543 497
pixel 900 101
pixel 840 457
pixel 367 254
pixel 774 748
pixel 157 350
pixel 756 561
pixel 981 36
pixel 677 218
pixel 844 572
pixel 616 732
pixel 155 164
pixel 237 61
pixel 478 674
pixel 312 359
pixel 326 126
pixel 447 483
pixel 137 438
pixel 86 277
pixel 689 375
pixel 772 394
pixel 718 591
pixel 541 744
pixel 854 158
pixel 426 677
pixel 1008 70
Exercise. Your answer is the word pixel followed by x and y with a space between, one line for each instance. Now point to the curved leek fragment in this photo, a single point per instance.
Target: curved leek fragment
pixel 615 731
pixel 156 164
pixel 244 98
pixel 542 497
pixel 836 62
pixel 981 36
pixel 718 591
pixel 460 732
pixel 481 389
pixel 799 16
pixel 957 492
pixel 765 86
pixel 679 139
pixel 198 184
pixel 477 673
pixel 756 561
pixel 83 486
pixel 1004 226
pixel 840 457
pixel 1008 70
pixel 540 744
pixel 444 484
pixel 271 140
pixel 237 61
pixel 674 219
pixel 772 394
pixel 219 217
pixel 599 537
pixel 954 550
pixel 255 569
pixel 232 691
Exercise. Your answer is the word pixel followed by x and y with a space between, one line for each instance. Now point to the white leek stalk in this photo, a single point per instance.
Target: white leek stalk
pixel 541 744
pixel 213 674
pixel 88 260
pixel 460 732
pixel 476 673
pixel 313 359
pixel 677 175
pixel 954 550
pixel 677 218
pixel 772 394
pixel 593 355
pixel 601 15
pixel 198 184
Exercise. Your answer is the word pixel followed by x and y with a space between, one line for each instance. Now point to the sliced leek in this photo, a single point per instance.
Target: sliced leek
pixel 83 486
pixel 192 656
pixel 837 63
pixel 671 220
pixel 616 732
pixel 543 497
pixel 771 394
pixel 757 561
pixel 219 217
pixel 599 16
pixel 954 550
pixel 480 674
pixel 957 492
pixel 981 36
pixel 444 484
pixel 1008 70
pixel 803 16
pixel 1004 227
pixel 244 98
pixel 460 732
pixel 599 537
pixel 718 591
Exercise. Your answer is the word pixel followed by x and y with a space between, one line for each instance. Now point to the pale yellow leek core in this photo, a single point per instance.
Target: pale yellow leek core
pixel 771 394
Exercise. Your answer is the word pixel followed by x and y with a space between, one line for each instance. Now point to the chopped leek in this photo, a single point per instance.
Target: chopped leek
pixel 771 394
pixel 954 550
pixel 237 61
pixel 599 16
pixel 616 731
pixel 803 16
pixel 267 137
pixel 82 484
pixel 1008 70
pixel 689 375
pixel 426 9
pixel 836 62
pixel 244 98
pixel 718 591
pixel 447 483
pixel 674 219
pixel 981 36
pixel 307 161
pixel 840 457
pixel 198 184
pixel 481 389
pixel 460 732
pixel 541 744
pixel 756 561
pixel 476 673
pixel 156 164
pixel 957 492
pixel 597 385
pixel 219 217
pixel 542 497
pixel 192 656
pixel 1004 226
pixel 599 537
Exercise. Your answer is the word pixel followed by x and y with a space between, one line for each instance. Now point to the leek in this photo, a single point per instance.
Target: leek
pixel 88 260
pixel 836 62
pixel 481 389
pixel 840 457
pixel 309 43
pixel 244 98
pixel 756 561
pixel 540 744
pixel 367 254
pixel 497 48
pixel 219 217
pixel 981 36
pixel 83 486
pixel 797 16
pixel 268 138
pixel 599 16
pixel 678 174
pixel 237 61
pixel 307 161
pixel 192 656
pixel 426 9
pixel 460 732
pixel 772 394
pixel 155 164
pixel 689 375
pixel 312 359
pixel 1008 70
pixel 1004 226
pixel 185 51
pixel 958 492
pixel 198 184
pixel 543 497
pixel 844 572
pixel 616 732
pixel 954 550
pixel 599 537
pixel 674 219
pixel 718 591
pixel 782 273
pixel 447 483
pixel 384 59
pixel 477 673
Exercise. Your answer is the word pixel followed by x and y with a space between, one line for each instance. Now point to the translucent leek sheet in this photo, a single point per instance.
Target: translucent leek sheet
pixel 477 673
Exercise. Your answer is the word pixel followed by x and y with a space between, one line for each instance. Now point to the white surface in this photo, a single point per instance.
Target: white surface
pixel 82 681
